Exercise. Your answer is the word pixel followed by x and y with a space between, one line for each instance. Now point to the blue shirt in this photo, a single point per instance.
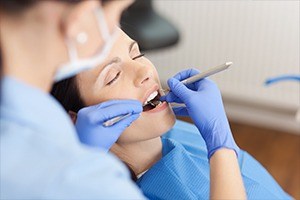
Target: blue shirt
pixel 183 171
pixel 42 158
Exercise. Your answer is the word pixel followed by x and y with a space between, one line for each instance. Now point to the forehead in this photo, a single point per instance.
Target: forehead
pixel 121 45
pixel 122 38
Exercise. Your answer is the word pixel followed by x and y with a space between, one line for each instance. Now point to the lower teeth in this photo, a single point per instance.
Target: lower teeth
pixel 155 103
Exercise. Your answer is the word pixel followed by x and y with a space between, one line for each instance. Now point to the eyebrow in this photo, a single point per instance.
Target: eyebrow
pixel 131 45
pixel 114 60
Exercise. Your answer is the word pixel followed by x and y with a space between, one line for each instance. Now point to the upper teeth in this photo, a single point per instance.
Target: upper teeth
pixel 151 96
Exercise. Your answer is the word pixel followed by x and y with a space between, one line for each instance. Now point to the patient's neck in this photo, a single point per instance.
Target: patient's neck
pixel 140 156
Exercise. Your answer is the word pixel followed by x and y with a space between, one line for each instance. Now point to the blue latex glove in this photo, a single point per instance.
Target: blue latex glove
pixel 89 123
pixel 204 105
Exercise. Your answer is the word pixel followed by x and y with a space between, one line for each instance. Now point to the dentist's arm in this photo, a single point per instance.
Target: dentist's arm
pixel 89 123
pixel 226 181
pixel 204 105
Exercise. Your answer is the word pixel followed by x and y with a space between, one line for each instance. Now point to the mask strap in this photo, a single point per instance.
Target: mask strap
pixel 72 51
pixel 104 29
pixel 75 64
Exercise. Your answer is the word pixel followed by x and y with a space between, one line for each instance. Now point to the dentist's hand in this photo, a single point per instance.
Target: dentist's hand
pixel 89 123
pixel 204 105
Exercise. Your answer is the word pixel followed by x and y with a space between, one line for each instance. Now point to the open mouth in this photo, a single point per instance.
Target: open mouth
pixel 152 101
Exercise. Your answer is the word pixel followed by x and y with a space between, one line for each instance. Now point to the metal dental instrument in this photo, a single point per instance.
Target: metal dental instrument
pixel 187 81
pixel 115 120
pixel 204 74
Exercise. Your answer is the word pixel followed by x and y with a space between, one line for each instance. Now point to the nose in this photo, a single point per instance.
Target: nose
pixel 142 75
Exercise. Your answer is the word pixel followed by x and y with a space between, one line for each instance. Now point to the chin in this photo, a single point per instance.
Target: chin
pixel 149 126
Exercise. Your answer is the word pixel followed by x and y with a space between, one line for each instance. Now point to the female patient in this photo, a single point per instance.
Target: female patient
pixel 167 168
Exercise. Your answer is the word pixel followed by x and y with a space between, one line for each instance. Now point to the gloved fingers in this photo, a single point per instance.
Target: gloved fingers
pixel 180 111
pixel 124 123
pixel 126 102
pixel 178 88
pixel 170 97
pixel 112 133
pixel 114 111
pixel 186 74
pixel 99 115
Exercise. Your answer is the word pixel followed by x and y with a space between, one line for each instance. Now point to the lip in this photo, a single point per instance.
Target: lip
pixel 158 108
pixel 150 91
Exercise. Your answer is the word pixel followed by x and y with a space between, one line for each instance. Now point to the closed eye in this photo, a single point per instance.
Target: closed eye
pixel 118 74
pixel 136 57
pixel 114 79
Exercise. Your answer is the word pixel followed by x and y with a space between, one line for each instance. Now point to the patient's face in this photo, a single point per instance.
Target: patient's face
pixel 127 75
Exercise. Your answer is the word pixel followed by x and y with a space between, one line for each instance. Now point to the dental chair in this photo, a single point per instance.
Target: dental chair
pixel 143 24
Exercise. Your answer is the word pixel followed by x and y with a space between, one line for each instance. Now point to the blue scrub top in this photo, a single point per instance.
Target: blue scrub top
pixel 183 171
pixel 41 157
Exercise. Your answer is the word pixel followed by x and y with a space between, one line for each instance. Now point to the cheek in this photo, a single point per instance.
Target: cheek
pixel 155 74
pixel 97 96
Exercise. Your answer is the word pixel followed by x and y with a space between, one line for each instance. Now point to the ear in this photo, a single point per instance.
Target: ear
pixel 73 116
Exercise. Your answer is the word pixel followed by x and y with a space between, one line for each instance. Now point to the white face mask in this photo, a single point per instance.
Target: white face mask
pixel 76 65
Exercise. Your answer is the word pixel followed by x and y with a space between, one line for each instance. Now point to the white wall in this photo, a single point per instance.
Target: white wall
pixel 261 38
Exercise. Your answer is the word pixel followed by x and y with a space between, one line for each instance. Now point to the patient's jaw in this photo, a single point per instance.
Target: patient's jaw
pixel 127 74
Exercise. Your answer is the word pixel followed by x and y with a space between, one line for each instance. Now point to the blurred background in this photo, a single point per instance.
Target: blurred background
pixel 261 38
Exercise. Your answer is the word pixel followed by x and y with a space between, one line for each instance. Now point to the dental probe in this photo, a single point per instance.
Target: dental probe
pixel 204 74
pixel 115 120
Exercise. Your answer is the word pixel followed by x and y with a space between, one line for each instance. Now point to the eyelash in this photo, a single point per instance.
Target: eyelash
pixel 141 55
pixel 114 79
pixel 118 74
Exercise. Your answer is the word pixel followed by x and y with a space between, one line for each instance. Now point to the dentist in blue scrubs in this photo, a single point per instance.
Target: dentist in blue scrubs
pixel 41 157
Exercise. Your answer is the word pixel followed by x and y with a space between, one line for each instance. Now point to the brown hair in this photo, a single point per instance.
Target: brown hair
pixel 17 6
pixel 14 6
pixel 67 93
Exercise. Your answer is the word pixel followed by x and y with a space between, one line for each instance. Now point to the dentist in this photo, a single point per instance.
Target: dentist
pixel 42 42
